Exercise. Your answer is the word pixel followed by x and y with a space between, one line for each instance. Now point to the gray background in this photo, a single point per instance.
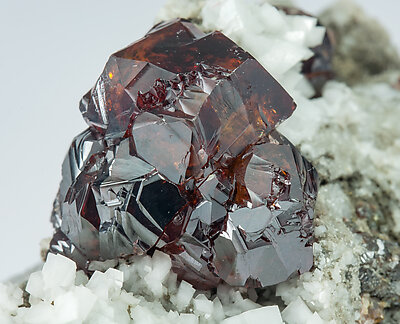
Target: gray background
pixel 51 53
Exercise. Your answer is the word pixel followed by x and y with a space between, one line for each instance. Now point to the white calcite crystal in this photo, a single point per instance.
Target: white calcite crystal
pixel 255 316
pixel 350 134
pixel 124 295
pixel 10 299
pixel 297 312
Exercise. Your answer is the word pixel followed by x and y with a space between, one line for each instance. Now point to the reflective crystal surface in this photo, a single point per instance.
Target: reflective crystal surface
pixel 182 155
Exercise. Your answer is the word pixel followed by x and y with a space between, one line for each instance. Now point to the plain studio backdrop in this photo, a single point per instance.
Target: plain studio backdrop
pixel 51 53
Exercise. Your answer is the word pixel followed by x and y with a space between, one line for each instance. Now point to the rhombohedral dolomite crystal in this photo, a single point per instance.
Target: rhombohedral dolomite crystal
pixel 181 155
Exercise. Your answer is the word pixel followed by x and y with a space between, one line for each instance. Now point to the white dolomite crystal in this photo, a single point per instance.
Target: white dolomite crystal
pixel 102 298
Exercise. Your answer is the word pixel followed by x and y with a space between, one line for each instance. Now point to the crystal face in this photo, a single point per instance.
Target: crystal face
pixel 182 155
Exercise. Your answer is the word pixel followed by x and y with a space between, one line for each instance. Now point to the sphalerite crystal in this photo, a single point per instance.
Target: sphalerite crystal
pixel 182 155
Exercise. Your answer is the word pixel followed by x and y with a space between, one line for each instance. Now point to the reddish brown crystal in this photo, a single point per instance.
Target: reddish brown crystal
pixel 182 156
pixel 176 60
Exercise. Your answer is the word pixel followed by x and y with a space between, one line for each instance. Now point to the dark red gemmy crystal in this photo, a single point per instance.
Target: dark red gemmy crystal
pixel 181 155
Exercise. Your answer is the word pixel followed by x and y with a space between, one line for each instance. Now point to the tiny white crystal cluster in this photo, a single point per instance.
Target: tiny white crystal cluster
pixel 145 291
pixel 332 289
pixel 346 132
pixel 10 299
pixel 353 130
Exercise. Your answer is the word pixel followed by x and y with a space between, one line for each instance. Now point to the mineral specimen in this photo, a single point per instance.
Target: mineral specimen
pixel 182 156
pixel 318 68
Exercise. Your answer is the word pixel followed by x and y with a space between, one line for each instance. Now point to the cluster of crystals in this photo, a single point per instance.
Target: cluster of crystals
pixel 318 68
pixel 181 156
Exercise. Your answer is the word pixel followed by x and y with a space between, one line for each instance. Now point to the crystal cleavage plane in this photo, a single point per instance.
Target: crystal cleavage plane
pixel 181 155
